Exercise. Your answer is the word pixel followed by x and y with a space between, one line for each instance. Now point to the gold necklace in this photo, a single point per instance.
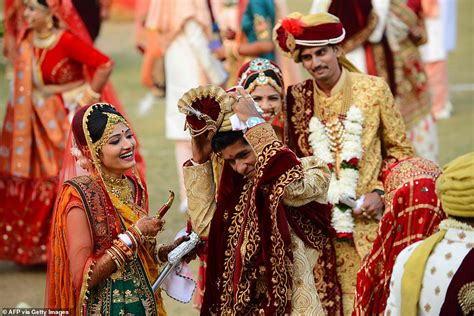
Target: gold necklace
pixel 44 41
pixel 346 100
pixel 333 126
pixel 119 187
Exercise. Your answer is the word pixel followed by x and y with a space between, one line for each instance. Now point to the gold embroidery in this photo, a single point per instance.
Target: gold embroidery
pixel 313 186
pixel 466 298
pixel 260 136
pixel 302 111
pixel 200 191
pixel 382 123
pixel 229 255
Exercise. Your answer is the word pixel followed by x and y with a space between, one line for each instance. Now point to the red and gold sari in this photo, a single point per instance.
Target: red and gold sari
pixel 35 131
pixel 412 213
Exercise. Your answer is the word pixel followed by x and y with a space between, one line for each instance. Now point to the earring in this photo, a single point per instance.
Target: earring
pixel 49 23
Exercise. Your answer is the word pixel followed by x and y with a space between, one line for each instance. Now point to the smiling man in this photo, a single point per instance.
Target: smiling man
pixel 264 228
pixel 348 120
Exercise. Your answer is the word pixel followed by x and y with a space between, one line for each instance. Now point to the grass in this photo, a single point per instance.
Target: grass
pixel 456 137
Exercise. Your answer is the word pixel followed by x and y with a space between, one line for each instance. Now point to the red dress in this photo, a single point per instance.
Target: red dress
pixel 33 139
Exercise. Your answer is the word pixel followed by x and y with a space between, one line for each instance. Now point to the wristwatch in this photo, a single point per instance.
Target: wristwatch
pixel 254 120
pixel 379 192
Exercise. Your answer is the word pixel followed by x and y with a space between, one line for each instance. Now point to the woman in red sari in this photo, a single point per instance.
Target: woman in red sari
pixel 55 73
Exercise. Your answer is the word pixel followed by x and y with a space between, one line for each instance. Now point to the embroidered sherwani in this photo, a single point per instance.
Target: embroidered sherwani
pixel 383 137
pixel 246 223
pixel 451 257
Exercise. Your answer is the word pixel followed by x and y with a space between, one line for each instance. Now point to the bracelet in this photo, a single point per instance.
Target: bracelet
pixel 124 249
pixel 118 262
pixel 127 240
pixel 88 96
pixel 118 254
pixel 137 232
pixel 158 248
pixel 134 240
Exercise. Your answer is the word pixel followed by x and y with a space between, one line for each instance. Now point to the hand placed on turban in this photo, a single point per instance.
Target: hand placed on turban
pixel 245 107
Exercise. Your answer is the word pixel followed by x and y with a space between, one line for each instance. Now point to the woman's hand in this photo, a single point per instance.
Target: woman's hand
pixel 61 88
pixel 165 250
pixel 245 107
pixel 150 225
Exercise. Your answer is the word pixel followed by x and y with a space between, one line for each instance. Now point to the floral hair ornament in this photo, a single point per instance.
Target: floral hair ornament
pixel 207 109
pixel 260 66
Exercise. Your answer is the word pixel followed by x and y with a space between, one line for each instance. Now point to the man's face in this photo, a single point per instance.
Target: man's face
pixel 321 62
pixel 241 158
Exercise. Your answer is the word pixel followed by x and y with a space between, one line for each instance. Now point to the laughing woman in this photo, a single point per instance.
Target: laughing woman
pixel 103 256
pixel 263 80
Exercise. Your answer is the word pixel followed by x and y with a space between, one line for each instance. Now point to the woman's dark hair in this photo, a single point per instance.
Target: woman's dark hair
pixel 268 73
pixel 98 120
pixel 43 3
pixel 223 139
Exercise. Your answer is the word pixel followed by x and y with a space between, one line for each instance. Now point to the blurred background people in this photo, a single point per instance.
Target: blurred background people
pixel 440 21
pixel 181 31
pixel 55 72
pixel 246 32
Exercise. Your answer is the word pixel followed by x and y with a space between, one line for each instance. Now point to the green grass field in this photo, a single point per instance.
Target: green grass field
pixel 456 137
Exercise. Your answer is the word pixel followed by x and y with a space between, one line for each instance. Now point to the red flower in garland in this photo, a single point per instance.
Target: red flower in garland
pixel 330 166
pixel 353 162
pixel 293 26
pixel 344 235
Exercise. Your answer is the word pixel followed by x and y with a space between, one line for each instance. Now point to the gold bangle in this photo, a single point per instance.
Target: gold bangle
pixel 157 254
pixel 120 256
pixel 138 232
pixel 117 262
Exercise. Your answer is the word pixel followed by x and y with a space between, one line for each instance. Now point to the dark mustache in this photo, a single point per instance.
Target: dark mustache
pixel 319 68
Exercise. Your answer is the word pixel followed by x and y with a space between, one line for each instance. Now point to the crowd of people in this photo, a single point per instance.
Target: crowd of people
pixel 310 197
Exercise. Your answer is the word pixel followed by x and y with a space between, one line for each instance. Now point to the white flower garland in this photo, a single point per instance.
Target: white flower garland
pixel 346 186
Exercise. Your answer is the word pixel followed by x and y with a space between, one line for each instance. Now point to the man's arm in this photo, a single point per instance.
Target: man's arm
pixel 200 191
pixel 394 136
pixel 312 187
